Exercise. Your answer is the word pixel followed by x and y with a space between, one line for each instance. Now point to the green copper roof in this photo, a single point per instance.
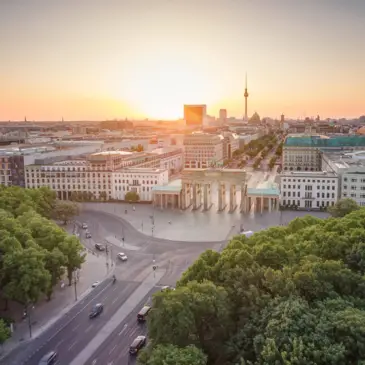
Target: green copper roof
pixel 317 141
pixel 174 186
pixel 264 189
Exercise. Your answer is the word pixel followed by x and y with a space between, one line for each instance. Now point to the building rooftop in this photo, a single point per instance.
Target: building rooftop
pixel 162 150
pixel 322 142
pixel 112 153
pixel 173 186
pixel 140 169
pixel 308 174
pixel 265 188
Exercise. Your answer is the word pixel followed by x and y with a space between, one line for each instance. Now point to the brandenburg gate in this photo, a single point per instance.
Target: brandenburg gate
pixel 196 188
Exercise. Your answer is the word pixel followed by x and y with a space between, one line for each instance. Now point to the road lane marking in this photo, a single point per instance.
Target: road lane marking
pixel 59 343
pixel 94 361
pixel 75 328
pixel 115 289
pixel 124 328
pixel 70 348
pixel 89 328
pixel 115 300
pixel 114 347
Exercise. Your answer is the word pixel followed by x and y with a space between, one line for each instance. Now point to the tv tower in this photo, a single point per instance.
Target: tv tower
pixel 246 96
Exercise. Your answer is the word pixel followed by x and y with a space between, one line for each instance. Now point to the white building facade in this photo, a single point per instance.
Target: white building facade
pixel 139 180
pixel 309 190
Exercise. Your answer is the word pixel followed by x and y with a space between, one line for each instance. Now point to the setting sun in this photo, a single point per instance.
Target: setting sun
pixel 159 89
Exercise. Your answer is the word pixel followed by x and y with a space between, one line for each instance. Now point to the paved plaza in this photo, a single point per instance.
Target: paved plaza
pixel 192 225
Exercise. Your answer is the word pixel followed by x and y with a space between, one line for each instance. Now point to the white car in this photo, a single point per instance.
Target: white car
pixel 95 284
pixel 84 226
pixel 166 287
pixel 122 256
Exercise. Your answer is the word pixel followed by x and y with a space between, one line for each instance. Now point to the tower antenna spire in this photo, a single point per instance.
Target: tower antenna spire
pixel 246 96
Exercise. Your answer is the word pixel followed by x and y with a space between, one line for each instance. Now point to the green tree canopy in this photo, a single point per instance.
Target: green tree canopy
pixel 173 355
pixel 132 197
pixel 343 207
pixel 291 295
pixel 34 252
pixel 65 210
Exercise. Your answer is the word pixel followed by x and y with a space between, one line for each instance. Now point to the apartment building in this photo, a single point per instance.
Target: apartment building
pixel 139 180
pixel 350 167
pixel 94 177
pixel 304 152
pixel 309 189
pixel 203 150
pixel 71 177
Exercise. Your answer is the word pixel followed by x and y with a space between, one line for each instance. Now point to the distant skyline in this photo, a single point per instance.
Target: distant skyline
pixel 95 60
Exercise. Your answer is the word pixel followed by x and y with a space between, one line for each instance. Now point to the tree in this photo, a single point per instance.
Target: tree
pixel 4 332
pixel 74 254
pixel 193 315
pixel 290 295
pixel 132 197
pixel 173 355
pixel 27 275
pixel 65 211
pixel 34 252
pixel 103 195
pixel 343 207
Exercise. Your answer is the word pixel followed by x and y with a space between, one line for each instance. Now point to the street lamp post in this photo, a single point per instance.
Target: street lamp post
pixel 29 320
pixel 75 283
pixel 154 267
pixel 106 255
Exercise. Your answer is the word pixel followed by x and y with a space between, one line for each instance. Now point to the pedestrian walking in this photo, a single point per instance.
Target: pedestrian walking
pixel 134 208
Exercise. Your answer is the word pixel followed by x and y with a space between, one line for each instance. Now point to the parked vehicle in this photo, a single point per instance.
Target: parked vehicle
pixel 84 226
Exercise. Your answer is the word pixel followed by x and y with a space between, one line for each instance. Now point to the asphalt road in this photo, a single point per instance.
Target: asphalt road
pixel 115 350
pixel 76 334
pixel 174 256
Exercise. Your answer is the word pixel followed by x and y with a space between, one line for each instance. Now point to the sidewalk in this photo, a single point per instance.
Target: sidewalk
pixel 44 314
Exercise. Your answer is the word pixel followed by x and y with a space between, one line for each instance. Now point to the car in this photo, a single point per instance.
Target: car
pixel 142 314
pixel 99 247
pixel 84 226
pixel 95 284
pixel 88 235
pixel 137 344
pixel 166 287
pixel 122 256
pixel 49 359
pixel 96 310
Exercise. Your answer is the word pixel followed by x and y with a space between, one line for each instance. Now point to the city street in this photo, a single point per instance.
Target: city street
pixel 115 350
pixel 76 334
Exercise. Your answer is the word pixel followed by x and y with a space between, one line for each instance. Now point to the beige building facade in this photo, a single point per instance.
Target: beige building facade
pixel 203 150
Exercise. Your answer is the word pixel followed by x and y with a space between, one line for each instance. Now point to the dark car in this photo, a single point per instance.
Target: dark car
pixel 141 316
pixel 99 247
pixel 88 235
pixel 137 344
pixel 49 359
pixel 97 309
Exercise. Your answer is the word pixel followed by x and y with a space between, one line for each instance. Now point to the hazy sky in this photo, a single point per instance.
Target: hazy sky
pixel 95 59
